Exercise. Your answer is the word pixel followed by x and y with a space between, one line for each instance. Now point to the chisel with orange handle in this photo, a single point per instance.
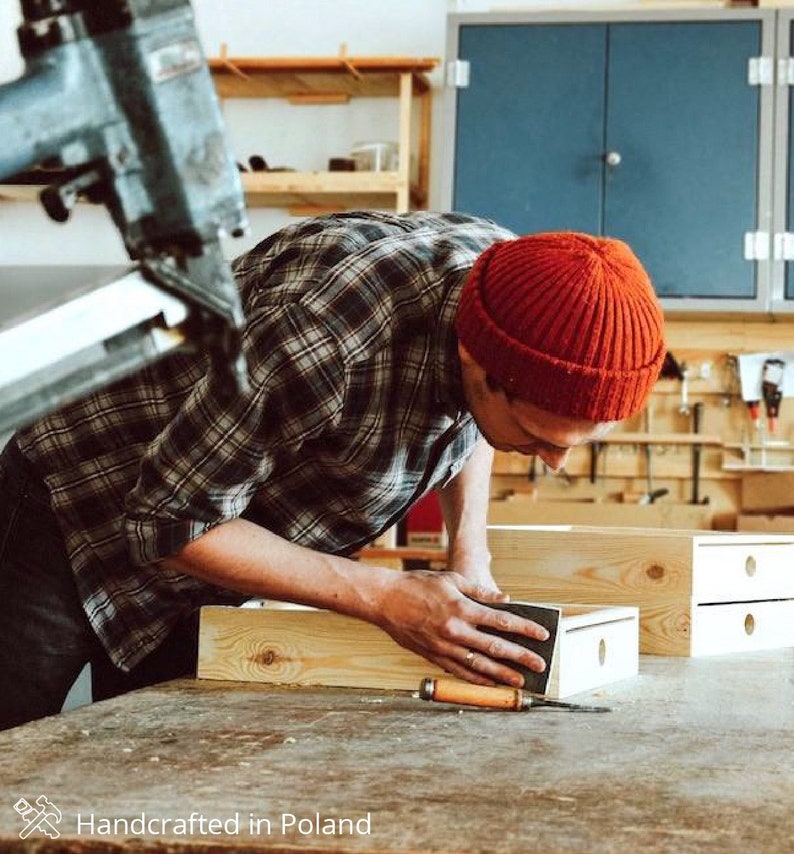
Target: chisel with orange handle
pixel 448 690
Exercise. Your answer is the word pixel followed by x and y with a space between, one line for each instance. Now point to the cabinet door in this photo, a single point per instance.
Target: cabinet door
pixel 663 98
pixel 529 126
pixel 686 125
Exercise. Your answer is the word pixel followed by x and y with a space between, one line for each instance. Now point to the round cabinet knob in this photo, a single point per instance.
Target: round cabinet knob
pixel 613 158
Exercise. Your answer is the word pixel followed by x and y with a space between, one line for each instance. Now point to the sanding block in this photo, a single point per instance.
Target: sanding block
pixel 547 616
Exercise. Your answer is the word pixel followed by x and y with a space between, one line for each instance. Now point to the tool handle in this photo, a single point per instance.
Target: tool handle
pixel 447 690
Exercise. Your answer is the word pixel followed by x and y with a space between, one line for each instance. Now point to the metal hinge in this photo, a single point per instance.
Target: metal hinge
pixel 785 72
pixel 784 246
pixel 756 246
pixel 458 73
pixel 760 71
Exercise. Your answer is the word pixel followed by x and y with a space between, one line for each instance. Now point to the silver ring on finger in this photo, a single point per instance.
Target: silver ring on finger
pixel 469 657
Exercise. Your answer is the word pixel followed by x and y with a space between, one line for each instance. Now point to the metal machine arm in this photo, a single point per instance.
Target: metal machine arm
pixel 117 96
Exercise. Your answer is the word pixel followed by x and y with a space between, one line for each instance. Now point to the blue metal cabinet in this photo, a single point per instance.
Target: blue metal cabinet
pixel 639 127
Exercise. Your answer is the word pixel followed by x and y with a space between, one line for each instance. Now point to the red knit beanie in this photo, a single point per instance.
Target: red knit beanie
pixel 566 321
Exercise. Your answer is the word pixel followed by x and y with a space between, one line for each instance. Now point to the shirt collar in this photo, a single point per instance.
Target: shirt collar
pixel 448 379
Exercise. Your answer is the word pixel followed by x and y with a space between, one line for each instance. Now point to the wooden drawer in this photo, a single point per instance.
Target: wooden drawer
pixel 667 574
pixel 738 571
pixel 742 626
pixel 595 646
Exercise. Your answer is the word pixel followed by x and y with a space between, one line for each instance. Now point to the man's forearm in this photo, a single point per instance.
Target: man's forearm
pixel 464 503
pixel 242 556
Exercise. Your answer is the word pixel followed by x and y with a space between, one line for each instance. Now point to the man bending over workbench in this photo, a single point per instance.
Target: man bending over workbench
pixel 388 355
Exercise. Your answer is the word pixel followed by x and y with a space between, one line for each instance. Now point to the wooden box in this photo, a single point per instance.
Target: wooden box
pixel 698 593
pixel 767 492
pixel 522 510
pixel 595 646
pixel 776 522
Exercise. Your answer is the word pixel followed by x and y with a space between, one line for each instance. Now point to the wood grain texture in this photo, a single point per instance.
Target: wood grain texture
pixel 324 648
pixel 526 511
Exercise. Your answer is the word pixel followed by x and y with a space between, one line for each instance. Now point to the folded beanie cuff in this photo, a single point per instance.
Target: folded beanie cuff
pixel 553 384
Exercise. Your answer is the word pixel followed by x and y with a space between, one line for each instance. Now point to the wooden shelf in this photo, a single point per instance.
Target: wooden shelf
pixel 660 439
pixel 331 80
pixel 321 190
pixel 290 77
pixel 337 190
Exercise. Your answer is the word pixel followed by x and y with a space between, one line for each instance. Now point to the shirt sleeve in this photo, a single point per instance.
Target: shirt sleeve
pixel 205 467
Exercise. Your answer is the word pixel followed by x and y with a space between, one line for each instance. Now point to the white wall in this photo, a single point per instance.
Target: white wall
pixel 301 137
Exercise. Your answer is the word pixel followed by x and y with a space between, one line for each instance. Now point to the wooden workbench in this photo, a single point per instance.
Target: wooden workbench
pixel 695 757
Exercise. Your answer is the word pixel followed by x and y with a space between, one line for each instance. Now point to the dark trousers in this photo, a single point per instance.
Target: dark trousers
pixel 45 637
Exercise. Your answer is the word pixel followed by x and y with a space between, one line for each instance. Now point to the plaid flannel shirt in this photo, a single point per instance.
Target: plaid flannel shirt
pixel 356 410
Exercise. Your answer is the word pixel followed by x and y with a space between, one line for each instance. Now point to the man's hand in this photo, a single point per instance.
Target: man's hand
pixel 478 574
pixel 435 615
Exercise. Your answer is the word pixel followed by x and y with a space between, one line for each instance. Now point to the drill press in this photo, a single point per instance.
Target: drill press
pixel 116 96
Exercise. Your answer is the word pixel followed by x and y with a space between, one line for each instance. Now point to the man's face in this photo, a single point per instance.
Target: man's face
pixel 511 424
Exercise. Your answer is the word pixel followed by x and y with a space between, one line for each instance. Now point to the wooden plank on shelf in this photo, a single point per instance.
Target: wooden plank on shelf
pixel 595 646
pixel 311 99
pixel 320 182
pixel 634 438
pixel 677 464
pixel 526 511
pixel 283 77
pixel 336 189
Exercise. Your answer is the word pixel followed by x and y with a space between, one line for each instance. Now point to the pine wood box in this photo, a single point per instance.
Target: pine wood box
pixel 524 510
pixel 777 522
pixel 698 592
pixel 768 492
pixel 595 646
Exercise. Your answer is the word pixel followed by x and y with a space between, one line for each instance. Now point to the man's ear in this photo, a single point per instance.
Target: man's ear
pixel 476 373
pixel 473 373
pixel 466 358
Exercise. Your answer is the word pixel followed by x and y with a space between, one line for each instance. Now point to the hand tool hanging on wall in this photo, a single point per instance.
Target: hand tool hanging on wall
pixel 754 411
pixel 447 690
pixel 772 390
pixel 651 494
pixel 672 370
pixel 697 450
pixel 596 450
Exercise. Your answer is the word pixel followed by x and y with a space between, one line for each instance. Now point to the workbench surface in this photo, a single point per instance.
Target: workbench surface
pixel 696 757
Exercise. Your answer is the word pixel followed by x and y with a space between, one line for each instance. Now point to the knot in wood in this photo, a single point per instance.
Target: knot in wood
pixel 655 572
pixel 265 658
